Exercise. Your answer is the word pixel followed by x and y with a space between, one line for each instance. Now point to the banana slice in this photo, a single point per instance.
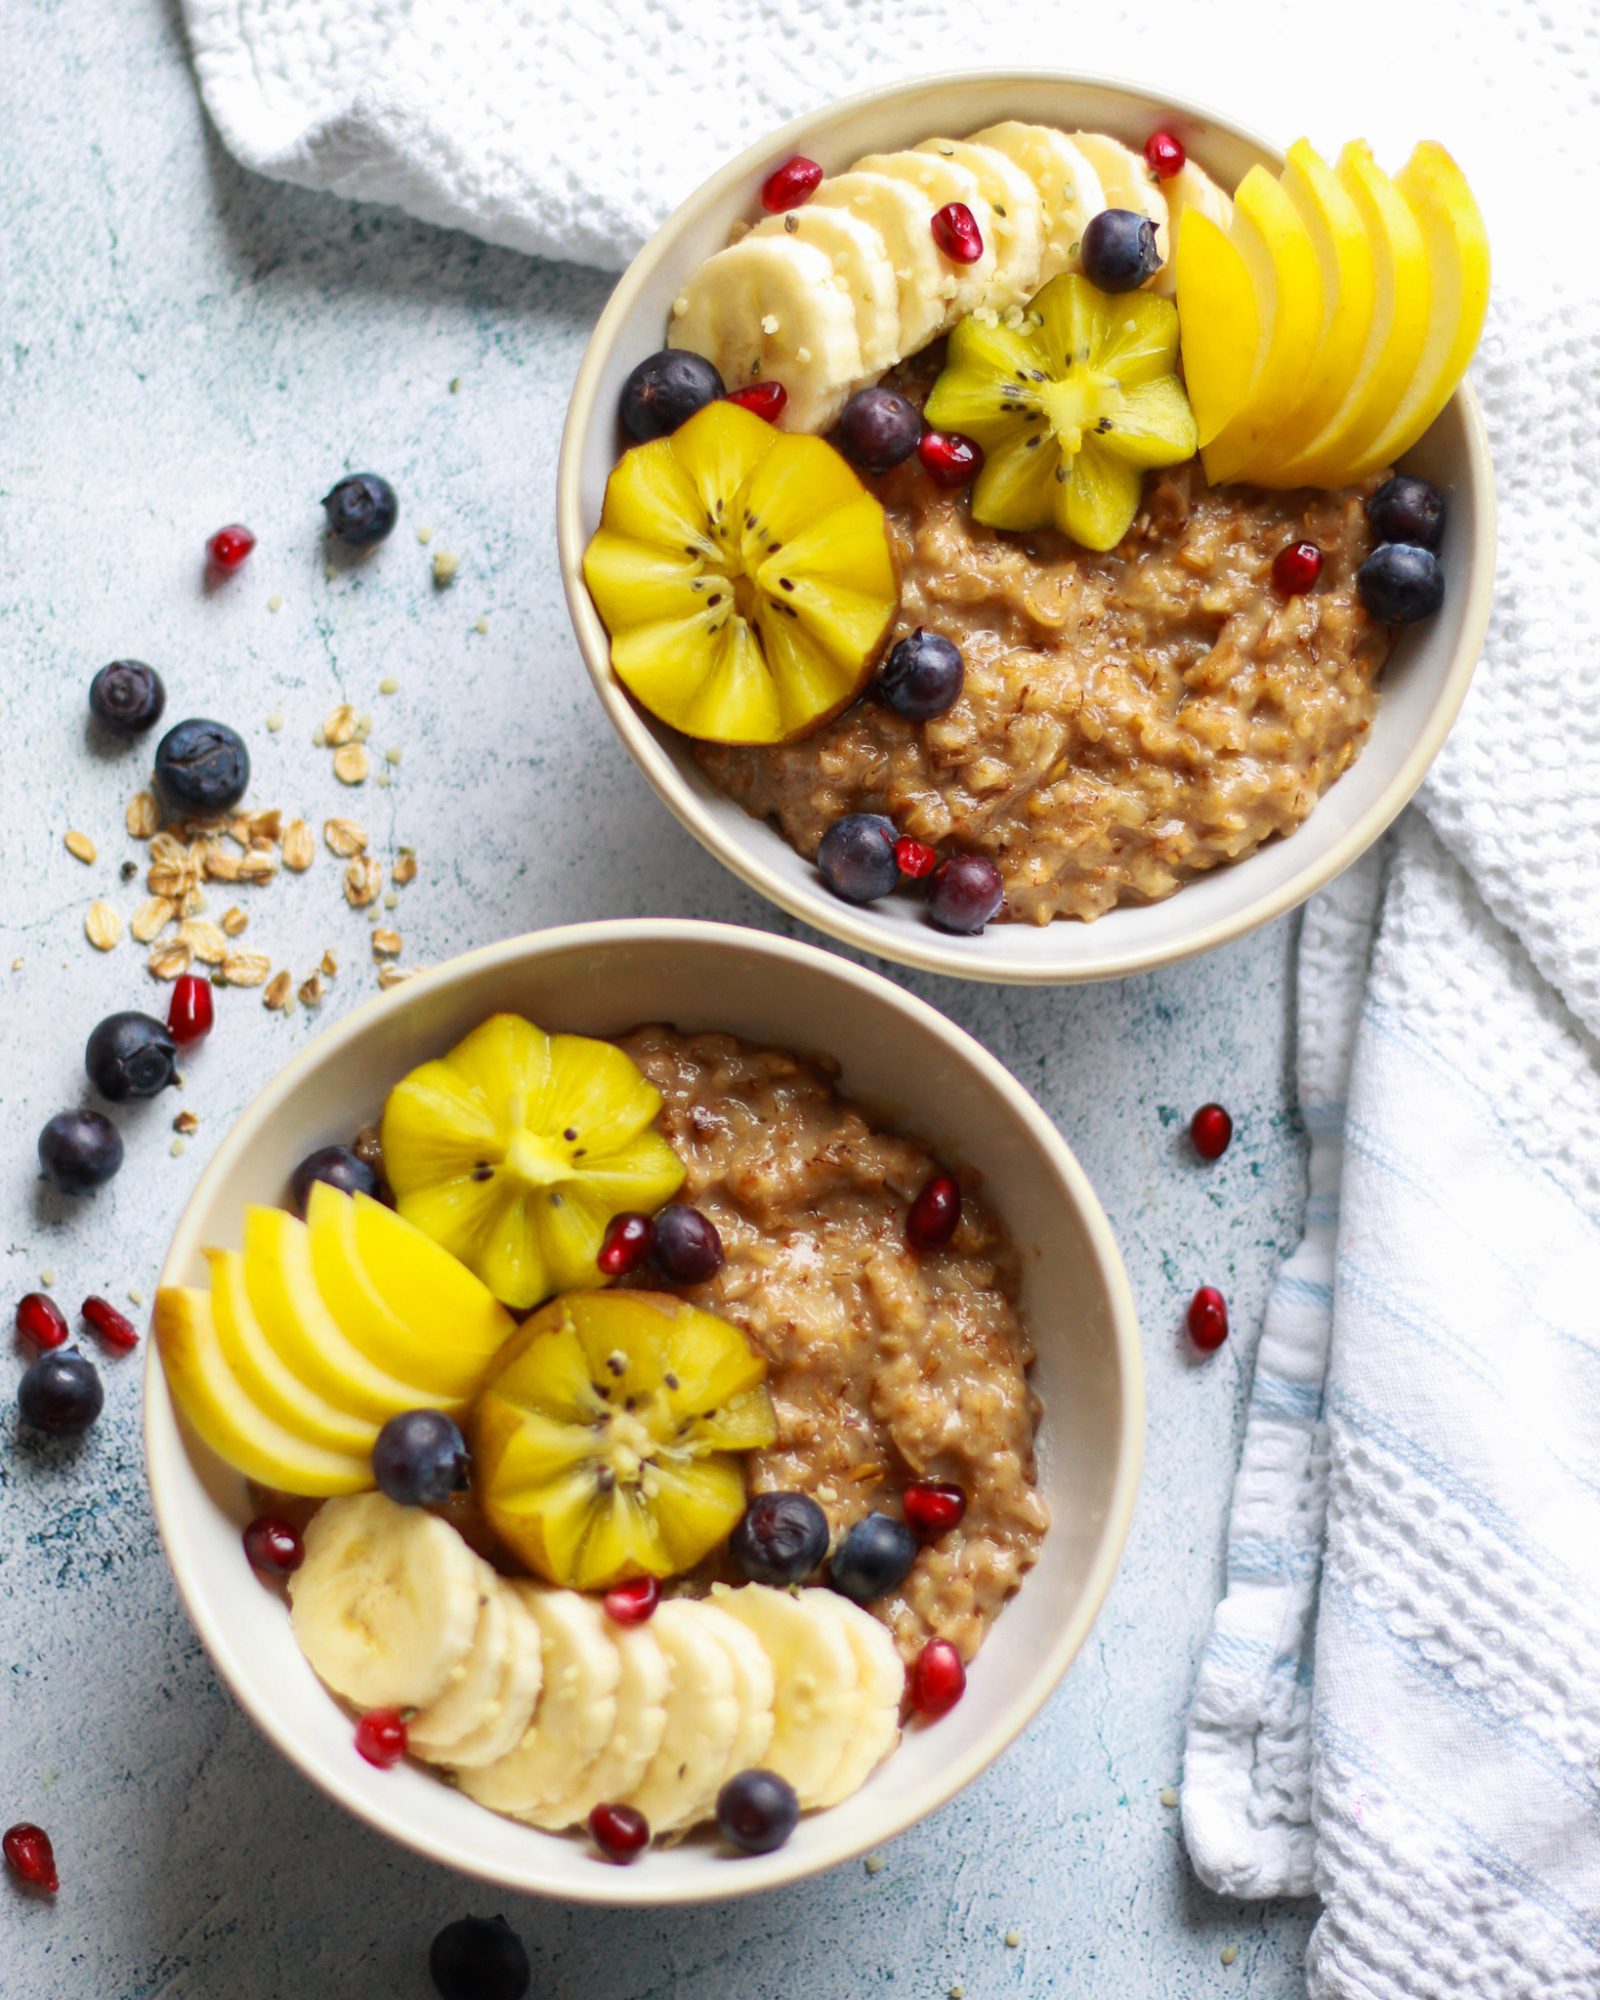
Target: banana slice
pixel 1190 187
pixel 937 182
pixel 577 1707
pixel 861 265
pixel 434 1732
pixel 770 309
pixel 702 1721
pixel 883 1684
pixel 642 1693
pixel 387 1601
pixel 817 1697
pixel 1127 182
pixel 754 1683
pixel 506 1715
pixel 901 215
pixel 1018 211
pixel 1068 186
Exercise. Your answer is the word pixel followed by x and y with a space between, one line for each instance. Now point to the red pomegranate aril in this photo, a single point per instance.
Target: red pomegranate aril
pixel 933 1509
pixel 938 1679
pixel 1210 1130
pixel 41 1320
pixel 381 1737
pixel 631 1603
pixel 1164 155
pixel 932 1219
pixel 30 1857
pixel 955 230
pixel 1295 569
pixel 273 1547
pixel 949 459
pixel 1208 1319
pixel 797 180
pixel 190 1012
pixel 620 1832
pixel 114 1328
pixel 765 399
pixel 627 1243
pixel 915 858
pixel 229 546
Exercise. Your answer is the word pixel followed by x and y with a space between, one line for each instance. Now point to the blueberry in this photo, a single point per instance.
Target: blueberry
pixel 857 857
pixel 964 893
pixel 420 1459
pixel 782 1538
pixel 879 428
pixel 922 677
pixel 60 1393
pixel 131 1055
pixel 1407 509
pixel 479 1958
pixel 202 767
pixel 361 509
pixel 873 1559
pixel 757 1810
pixel 339 1167
pixel 665 390
pixel 79 1150
pixel 127 696
pixel 1399 584
pixel 686 1246
pixel 1119 250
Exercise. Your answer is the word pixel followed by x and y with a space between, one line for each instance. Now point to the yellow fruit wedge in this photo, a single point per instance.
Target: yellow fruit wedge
pixel 1457 248
pixel 1219 326
pixel 1191 188
pixel 266 1378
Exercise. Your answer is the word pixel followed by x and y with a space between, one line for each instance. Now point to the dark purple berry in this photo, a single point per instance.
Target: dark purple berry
pixel 79 1151
pixel 60 1393
pixel 873 1559
pixel 857 858
pixel 757 1811
pixel 127 697
pixel 339 1167
pixel 879 428
pixel 1399 583
pixel 202 767
pixel 686 1246
pixel 922 676
pixel 361 509
pixel 1407 509
pixel 420 1459
pixel 665 390
pixel 1119 250
pixel 782 1538
pixel 479 1958
pixel 131 1055
pixel 964 893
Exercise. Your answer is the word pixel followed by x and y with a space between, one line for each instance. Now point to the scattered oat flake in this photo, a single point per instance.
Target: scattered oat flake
pixel 204 939
pixel 482 625
pixel 363 879
pixel 339 726
pixel 392 975
pixel 151 918
pixel 102 926
pixel 391 900
pixel 47 1276
pixel 186 1121
pixel 299 845
pixel 1229 1953
pixel 311 990
pixel 873 1864
pixel 234 920
pixel 143 817
pixel 280 990
pixel 168 960
pixel 387 944
pixel 135 1296
pixel 1168 1796
pixel 1013 1939
pixel 345 837
pixel 351 764
pixel 80 846
pixel 178 1148
pixel 445 565
pixel 275 602
pixel 383 781
pixel 424 535
pixel 958 1993
pixel 405 868
pixel 244 968
pixel 389 685
pixel 329 966
pixel 275 720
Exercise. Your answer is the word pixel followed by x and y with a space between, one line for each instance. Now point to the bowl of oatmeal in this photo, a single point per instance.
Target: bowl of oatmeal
pixel 922 1297
pixel 1158 745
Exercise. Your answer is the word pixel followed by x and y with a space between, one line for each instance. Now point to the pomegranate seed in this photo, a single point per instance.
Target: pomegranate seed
pixel 1296 568
pixel 1210 1129
pixel 41 1320
pixel 915 858
pixel 190 1013
pixel 30 1857
pixel 932 1219
pixel 955 230
pixel 938 1679
pixel 620 1833
pixel 273 1547
pixel 114 1328
pixel 631 1603
pixel 1208 1318
pixel 949 459
pixel 229 546
pixel 381 1737
pixel 797 180
pixel 1164 155
pixel 933 1510
pixel 764 399
pixel 628 1242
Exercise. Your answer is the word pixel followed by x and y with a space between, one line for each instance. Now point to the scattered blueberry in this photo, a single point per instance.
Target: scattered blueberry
pixel 79 1151
pixel 1407 509
pixel 339 1167
pixel 757 1810
pixel 131 1055
pixel 665 390
pixel 127 697
pixel 782 1538
pixel 361 509
pixel 964 892
pixel 479 1958
pixel 686 1246
pixel 1119 250
pixel 879 428
pixel 922 676
pixel 202 767
pixel 857 857
pixel 420 1459
pixel 1399 583
pixel 60 1393
pixel 873 1559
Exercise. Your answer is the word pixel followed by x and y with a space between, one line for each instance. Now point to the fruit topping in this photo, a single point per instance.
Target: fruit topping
pixel 788 186
pixel 41 1320
pixel 949 459
pixel 202 768
pixel 874 1558
pixel 626 1244
pixel 938 1679
pixel 1295 569
pixel 1208 1318
pixel 517 1149
pixel 1210 1131
pixel 79 1151
pixel 745 578
pixel 933 1217
pixel 955 230
pixel 127 697
pixel 620 1833
pixel 1164 155
pixel 922 676
pixel 1407 509
pixel 131 1055
pixel 964 893
pixel 190 1012
pixel 381 1737
pixel 336 1166
pixel 420 1459
pixel 766 400
pixel 1400 583
pixel 479 1958
pixel 273 1546
pixel 879 428
pixel 828 1692
pixel 687 1248
pixel 30 1856
pixel 229 547
pixel 1119 250
pixel 633 1602
pixel 933 1508
pixel 757 1811
pixel 114 1328
pixel 856 857
pixel 665 390
pixel 915 859
pixel 782 1539
pixel 60 1393
pixel 1069 408
pixel 606 1438
pixel 361 509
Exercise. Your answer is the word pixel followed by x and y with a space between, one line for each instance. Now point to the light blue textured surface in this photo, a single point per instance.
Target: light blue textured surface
pixel 181 345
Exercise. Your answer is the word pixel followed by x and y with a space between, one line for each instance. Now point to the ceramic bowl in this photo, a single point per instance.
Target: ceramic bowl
pixel 915 1069
pixel 1424 682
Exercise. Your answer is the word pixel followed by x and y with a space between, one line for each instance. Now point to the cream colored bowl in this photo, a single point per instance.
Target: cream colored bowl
pixel 1424 682
pixel 917 1070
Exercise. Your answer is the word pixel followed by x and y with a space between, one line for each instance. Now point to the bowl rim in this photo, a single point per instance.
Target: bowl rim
pixel 167 1462
pixel 923 948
